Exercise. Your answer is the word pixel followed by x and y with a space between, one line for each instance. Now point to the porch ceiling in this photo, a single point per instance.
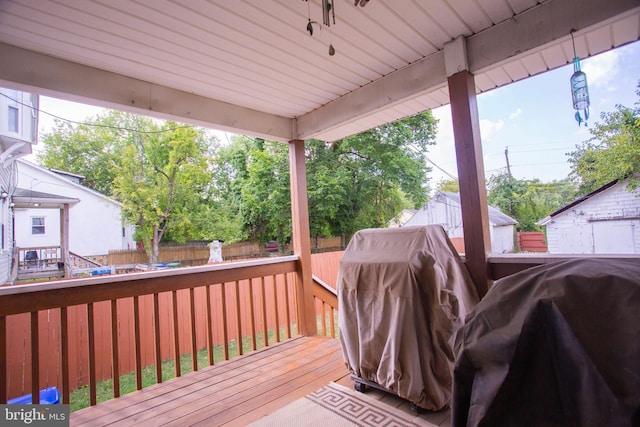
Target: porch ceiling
pixel 29 199
pixel 249 66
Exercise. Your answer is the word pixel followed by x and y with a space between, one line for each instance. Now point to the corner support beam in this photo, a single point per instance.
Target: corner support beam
pixel 473 192
pixel 301 239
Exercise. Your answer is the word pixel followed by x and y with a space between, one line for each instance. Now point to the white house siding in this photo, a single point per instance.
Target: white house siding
pixel 6 222
pixel 25 105
pixel 26 239
pixel 440 212
pixel 16 142
pixel 501 239
pixel 444 209
pixel 95 224
pixel 402 218
pixel 607 222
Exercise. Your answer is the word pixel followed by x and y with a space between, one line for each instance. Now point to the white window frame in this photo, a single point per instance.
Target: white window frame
pixel 34 226
pixel 13 105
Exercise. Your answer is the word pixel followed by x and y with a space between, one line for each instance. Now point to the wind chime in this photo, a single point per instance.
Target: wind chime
pixel 579 89
pixel 328 15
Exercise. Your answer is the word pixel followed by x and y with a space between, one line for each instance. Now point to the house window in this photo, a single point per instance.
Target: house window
pixel 14 119
pixel 37 225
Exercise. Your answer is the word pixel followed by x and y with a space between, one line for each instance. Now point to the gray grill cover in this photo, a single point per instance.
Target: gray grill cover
pixel 402 293
pixel 554 345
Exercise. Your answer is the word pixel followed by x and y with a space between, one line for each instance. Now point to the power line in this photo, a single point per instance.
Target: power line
pixel 549 142
pixel 545 150
pixel 442 170
pixel 96 124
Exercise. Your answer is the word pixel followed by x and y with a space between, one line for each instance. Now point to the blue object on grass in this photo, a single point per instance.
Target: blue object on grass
pixel 48 396
pixel 101 271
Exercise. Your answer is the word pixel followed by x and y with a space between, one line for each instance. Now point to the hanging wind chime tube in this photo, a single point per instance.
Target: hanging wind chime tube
pixel 579 89
pixel 328 15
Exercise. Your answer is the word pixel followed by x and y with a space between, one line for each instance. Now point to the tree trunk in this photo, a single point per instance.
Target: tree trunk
pixel 155 247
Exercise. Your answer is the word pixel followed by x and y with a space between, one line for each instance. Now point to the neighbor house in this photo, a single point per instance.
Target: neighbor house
pixel 95 223
pixel 18 132
pixel 402 218
pixel 605 221
pixel 444 209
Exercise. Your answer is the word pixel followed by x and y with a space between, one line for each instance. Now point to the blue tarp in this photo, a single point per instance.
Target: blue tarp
pixel 101 271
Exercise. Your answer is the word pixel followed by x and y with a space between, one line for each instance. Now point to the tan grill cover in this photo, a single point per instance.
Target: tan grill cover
pixel 402 293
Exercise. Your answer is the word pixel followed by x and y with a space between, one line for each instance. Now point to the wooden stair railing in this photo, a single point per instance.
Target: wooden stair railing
pixel 326 307
pixel 86 262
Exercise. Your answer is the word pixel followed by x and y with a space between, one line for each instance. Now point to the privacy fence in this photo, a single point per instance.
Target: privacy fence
pixel 197 253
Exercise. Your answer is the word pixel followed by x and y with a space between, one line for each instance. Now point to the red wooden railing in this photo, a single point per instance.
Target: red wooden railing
pixel 69 333
pixel 326 301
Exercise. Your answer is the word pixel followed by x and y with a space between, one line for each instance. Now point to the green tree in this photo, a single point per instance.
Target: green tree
pixel 451 186
pixel 89 149
pixel 612 153
pixel 328 185
pixel 266 193
pixel 229 175
pixel 159 171
pixel 528 201
pixel 386 170
pixel 252 180
pixel 161 179
pixel 357 182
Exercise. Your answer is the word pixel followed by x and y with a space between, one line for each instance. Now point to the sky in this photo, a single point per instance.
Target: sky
pixel 534 118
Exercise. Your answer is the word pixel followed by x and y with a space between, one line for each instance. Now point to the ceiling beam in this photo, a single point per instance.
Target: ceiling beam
pixel 549 22
pixel 46 75
pixel 419 77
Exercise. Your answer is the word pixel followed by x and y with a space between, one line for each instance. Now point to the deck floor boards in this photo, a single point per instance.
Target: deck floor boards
pixel 241 390
pixel 234 392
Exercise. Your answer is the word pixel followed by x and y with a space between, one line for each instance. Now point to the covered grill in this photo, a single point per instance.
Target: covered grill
pixel 403 293
pixel 554 345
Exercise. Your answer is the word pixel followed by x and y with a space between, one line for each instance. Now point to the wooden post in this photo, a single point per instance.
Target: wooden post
pixel 473 192
pixel 301 239
pixel 64 238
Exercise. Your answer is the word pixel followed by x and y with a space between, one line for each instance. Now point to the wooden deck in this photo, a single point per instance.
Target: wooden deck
pixel 231 393
pixel 239 391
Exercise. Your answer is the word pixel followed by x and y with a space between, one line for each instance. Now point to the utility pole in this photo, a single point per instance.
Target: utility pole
pixel 506 156
pixel 512 210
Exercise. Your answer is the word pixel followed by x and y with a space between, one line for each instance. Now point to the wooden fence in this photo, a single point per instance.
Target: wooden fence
pixel 532 241
pixel 186 255
pixel 325 265
pixel 190 254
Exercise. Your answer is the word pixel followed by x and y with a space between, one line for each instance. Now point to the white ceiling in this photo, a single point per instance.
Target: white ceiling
pixel 249 66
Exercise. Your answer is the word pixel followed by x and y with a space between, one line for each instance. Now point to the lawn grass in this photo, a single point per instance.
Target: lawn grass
pixel 79 398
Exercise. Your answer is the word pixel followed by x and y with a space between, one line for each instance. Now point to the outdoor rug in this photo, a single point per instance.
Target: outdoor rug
pixel 336 405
